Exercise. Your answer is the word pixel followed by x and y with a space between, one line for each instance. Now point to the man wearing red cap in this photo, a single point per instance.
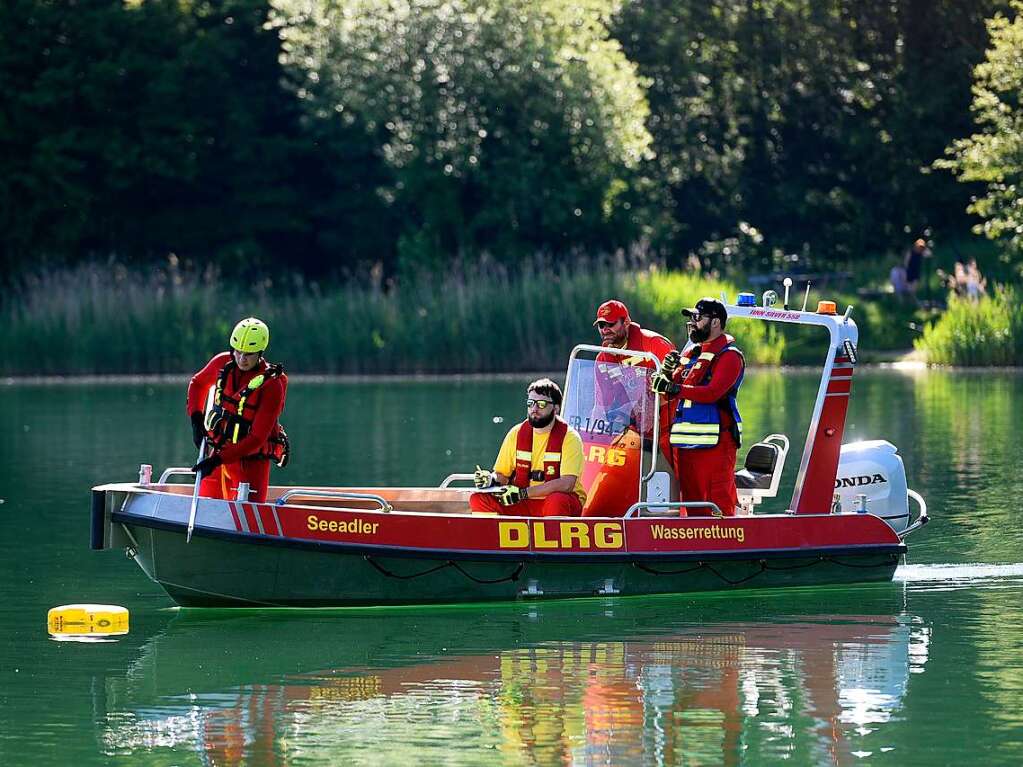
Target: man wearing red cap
pixel 707 428
pixel 613 383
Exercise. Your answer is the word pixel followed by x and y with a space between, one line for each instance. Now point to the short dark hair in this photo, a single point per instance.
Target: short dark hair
pixel 547 388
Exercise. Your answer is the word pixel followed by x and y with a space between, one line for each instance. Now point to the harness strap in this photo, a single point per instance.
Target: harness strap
pixel 224 425
pixel 551 458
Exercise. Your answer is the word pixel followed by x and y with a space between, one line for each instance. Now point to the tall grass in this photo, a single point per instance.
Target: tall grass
pixel 976 333
pixel 106 320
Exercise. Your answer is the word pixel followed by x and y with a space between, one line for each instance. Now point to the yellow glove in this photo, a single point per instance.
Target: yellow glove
pixel 671 362
pixel 663 385
pixel 510 495
pixel 482 478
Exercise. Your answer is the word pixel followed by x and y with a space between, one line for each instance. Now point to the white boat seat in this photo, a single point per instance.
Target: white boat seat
pixel 761 472
pixel 758 469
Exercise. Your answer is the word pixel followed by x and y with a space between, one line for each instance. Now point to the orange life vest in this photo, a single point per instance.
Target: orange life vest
pixel 551 457
pixel 230 418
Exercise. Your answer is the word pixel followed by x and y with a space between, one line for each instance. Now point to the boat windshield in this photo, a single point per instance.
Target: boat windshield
pixel 608 401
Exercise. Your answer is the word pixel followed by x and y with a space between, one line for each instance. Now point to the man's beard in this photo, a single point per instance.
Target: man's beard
pixel 698 336
pixel 616 340
pixel 540 421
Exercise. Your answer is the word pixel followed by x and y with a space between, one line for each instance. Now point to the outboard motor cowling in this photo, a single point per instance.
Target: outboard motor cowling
pixel 871 478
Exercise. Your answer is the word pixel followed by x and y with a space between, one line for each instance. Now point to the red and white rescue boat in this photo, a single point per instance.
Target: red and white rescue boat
pixel 326 546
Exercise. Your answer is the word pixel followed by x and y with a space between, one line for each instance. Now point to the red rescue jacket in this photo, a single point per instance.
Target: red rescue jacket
pixel 244 420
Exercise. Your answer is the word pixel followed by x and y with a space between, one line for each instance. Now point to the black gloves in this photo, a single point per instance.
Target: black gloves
pixel 510 495
pixel 482 478
pixel 198 428
pixel 671 363
pixel 206 465
pixel 662 384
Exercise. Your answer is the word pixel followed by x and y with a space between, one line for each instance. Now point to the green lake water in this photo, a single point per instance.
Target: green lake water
pixel 927 670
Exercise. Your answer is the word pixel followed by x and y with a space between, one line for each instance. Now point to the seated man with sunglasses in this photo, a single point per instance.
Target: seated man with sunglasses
pixel 539 467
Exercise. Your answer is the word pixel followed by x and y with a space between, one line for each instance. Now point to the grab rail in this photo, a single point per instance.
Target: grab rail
pixel 634 508
pixel 172 471
pixel 456 478
pixel 922 518
pixel 384 505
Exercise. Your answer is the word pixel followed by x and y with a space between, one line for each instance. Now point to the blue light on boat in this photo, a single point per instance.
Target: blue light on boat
pixel 746 299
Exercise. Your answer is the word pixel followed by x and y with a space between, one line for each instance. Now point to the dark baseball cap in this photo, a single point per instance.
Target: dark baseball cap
pixel 708 307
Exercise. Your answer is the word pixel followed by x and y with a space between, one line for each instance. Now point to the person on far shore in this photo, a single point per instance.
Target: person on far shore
pixel 966 281
pixel 540 463
pixel 241 428
pixel 976 285
pixel 897 277
pixel 914 264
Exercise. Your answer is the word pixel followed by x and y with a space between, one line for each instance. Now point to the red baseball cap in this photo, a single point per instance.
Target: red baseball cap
pixel 612 311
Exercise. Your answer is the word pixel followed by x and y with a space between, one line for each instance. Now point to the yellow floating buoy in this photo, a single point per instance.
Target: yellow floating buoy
pixel 87 620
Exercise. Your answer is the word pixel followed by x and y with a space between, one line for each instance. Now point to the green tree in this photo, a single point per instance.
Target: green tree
pixel 508 126
pixel 810 122
pixel 993 156
pixel 145 128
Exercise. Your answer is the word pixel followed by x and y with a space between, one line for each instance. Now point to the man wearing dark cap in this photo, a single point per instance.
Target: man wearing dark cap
pixel 707 428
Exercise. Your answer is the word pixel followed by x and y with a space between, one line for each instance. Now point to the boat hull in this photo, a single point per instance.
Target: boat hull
pixel 225 572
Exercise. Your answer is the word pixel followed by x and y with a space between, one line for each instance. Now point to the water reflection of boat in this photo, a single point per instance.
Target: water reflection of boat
pixel 540 684
pixel 846 521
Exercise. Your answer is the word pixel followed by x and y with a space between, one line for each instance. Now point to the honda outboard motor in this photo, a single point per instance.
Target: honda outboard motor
pixel 872 479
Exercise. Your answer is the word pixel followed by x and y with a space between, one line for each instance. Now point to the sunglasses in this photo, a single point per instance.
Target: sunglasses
pixel 601 324
pixel 539 404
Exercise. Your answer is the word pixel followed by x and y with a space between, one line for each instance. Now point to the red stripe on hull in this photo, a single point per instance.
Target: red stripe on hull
pixel 250 518
pixel 234 515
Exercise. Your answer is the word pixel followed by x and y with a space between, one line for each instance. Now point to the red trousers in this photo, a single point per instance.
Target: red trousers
pixel 554 505
pixel 708 474
pixel 223 481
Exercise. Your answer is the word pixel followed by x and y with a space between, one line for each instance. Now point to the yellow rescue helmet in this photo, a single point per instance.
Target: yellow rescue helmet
pixel 250 335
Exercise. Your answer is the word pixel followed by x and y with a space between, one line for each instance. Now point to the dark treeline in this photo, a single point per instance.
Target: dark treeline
pixel 327 137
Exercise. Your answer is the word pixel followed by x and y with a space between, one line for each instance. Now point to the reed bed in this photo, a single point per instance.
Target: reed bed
pixel 101 319
pixel 988 332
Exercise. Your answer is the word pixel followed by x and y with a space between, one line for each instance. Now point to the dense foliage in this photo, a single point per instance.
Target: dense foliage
pixel 325 136
pixel 804 125
pixel 507 126
pixel 994 155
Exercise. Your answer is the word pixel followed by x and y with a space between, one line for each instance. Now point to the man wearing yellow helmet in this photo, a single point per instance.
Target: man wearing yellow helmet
pixel 241 426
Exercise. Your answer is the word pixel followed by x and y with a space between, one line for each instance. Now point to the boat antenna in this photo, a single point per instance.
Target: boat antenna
pixel 806 296
pixel 787 282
